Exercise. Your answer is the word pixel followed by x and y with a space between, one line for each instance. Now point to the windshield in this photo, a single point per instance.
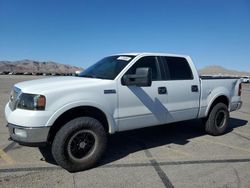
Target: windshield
pixel 107 68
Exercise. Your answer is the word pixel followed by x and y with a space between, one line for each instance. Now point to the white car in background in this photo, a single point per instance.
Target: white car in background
pixel 245 79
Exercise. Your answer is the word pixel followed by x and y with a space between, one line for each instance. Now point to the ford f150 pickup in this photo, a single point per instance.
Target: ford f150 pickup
pixel 74 115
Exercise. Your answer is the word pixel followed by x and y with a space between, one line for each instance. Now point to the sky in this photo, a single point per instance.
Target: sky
pixel 80 32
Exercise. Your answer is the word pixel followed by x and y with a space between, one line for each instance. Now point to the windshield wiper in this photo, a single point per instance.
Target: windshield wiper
pixel 93 76
pixel 88 76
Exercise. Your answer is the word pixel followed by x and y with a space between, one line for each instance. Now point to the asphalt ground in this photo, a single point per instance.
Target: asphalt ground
pixel 175 155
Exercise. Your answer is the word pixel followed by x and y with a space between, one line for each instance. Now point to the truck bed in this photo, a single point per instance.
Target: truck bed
pixel 213 86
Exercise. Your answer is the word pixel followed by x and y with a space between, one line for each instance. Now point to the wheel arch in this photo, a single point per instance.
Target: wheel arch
pixel 63 116
pixel 218 99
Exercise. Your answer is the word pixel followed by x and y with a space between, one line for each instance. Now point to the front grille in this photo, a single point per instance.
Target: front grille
pixel 14 97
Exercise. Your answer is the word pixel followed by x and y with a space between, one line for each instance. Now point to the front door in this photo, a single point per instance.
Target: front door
pixel 143 106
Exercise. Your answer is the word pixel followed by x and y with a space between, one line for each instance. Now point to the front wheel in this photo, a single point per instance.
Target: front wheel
pixel 79 144
pixel 217 121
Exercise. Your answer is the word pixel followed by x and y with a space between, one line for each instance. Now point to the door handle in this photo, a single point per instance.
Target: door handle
pixel 162 90
pixel 194 88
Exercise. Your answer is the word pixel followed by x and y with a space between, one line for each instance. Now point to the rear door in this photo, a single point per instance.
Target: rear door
pixel 183 90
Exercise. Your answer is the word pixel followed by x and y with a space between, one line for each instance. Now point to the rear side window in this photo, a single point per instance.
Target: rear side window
pixel 177 68
pixel 148 61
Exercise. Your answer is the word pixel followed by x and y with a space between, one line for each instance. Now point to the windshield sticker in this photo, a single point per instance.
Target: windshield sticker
pixel 124 58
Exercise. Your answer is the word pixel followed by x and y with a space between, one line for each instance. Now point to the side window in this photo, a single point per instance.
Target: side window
pixel 149 61
pixel 177 68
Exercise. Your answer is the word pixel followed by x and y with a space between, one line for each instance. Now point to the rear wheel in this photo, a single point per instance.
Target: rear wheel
pixel 79 144
pixel 217 121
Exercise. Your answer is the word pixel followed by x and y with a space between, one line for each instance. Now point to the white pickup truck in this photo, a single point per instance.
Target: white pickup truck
pixel 74 115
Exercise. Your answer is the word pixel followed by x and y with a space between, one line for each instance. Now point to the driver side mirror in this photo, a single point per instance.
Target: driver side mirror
pixel 142 77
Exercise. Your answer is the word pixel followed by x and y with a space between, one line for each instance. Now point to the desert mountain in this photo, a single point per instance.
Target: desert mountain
pixel 36 67
pixel 32 66
pixel 218 70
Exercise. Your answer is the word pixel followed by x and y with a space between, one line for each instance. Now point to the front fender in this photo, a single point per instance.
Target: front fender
pixel 111 122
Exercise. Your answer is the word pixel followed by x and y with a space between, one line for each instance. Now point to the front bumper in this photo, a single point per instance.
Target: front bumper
pixel 29 136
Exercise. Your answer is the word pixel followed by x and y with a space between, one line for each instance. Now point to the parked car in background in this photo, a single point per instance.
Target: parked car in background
pixel 245 79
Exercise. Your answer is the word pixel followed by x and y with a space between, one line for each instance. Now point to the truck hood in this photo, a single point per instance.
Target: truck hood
pixel 42 85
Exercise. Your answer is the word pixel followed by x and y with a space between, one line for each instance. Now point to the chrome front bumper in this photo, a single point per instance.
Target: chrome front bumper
pixel 29 136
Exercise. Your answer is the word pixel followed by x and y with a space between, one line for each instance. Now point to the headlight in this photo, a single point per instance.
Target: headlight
pixel 31 102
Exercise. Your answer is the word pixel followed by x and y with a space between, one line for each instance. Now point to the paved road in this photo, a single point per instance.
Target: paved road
pixel 176 155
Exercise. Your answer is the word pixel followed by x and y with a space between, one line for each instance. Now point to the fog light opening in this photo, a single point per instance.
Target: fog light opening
pixel 20 132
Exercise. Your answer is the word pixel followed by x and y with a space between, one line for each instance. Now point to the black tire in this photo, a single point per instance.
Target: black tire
pixel 217 121
pixel 79 144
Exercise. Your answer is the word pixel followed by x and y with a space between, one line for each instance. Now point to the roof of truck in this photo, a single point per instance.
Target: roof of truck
pixel 152 54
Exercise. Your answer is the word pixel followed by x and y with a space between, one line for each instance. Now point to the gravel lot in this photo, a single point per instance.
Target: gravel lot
pixel 176 155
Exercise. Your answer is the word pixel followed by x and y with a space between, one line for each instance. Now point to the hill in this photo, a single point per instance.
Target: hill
pixel 50 67
pixel 31 66
pixel 218 70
